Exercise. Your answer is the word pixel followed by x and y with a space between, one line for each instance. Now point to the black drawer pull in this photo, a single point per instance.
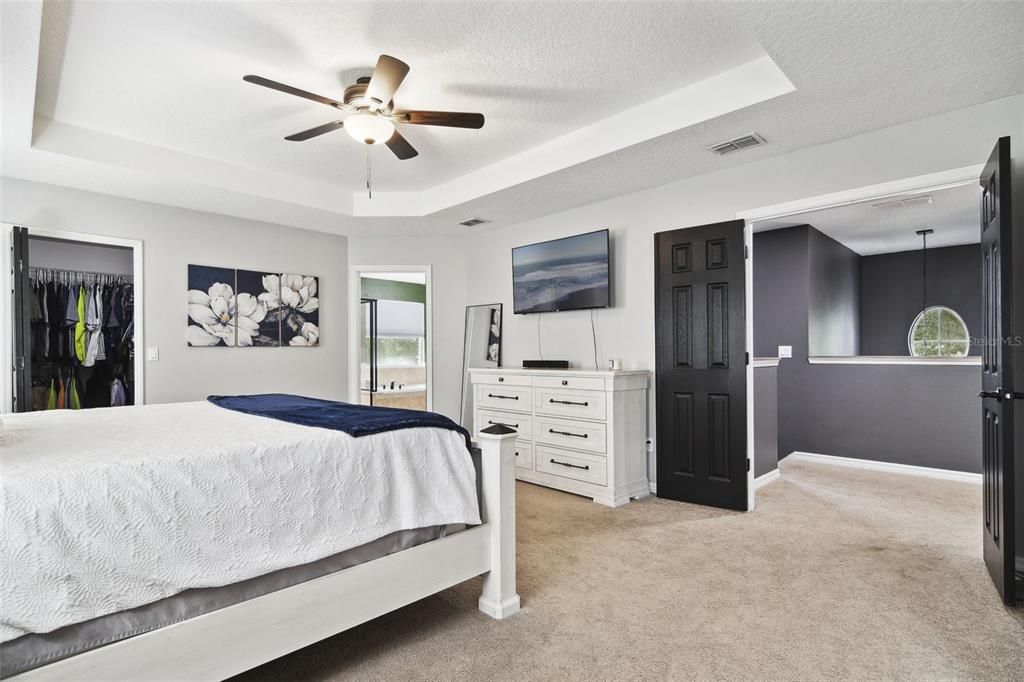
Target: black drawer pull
pixel 511 426
pixel 517 454
pixel 568 402
pixel 572 466
pixel 503 397
pixel 569 433
pixel 565 382
pixel 500 379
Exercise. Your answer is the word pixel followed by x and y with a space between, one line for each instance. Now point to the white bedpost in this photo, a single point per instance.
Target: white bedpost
pixel 497 460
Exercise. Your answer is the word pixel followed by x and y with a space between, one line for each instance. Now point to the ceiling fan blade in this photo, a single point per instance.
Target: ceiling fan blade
pixel 450 119
pixel 387 76
pixel 281 87
pixel 401 147
pixel 313 132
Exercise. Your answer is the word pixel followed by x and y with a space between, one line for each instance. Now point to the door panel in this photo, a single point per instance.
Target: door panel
pixel 701 373
pixel 998 395
pixel 22 323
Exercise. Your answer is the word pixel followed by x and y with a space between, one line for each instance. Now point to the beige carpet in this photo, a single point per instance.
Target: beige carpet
pixel 840 573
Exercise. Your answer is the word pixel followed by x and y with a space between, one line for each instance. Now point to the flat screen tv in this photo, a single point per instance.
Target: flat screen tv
pixel 563 274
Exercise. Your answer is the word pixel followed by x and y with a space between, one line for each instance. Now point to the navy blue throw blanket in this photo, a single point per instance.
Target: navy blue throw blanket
pixel 355 420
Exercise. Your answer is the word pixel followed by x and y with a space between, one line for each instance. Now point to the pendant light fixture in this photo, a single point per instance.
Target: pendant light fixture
pixel 924 267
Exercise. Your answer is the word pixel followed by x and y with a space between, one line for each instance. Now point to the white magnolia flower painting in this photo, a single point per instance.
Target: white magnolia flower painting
pixel 212 306
pixel 245 308
pixel 300 301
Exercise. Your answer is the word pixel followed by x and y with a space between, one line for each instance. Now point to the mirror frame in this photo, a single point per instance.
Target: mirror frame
pixel 465 369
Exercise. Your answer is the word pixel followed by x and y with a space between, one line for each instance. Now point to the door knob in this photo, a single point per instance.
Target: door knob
pixel 995 395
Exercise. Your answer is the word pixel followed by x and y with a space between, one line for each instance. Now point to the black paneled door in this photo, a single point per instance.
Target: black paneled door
pixel 998 394
pixel 701 389
pixel 22 324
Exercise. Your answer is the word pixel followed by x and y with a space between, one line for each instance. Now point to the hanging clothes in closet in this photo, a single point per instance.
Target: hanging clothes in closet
pixel 83 351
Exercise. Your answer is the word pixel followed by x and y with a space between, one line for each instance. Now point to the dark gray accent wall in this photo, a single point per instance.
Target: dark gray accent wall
pixel 890 294
pixel 833 323
pixel 766 420
pixel 919 415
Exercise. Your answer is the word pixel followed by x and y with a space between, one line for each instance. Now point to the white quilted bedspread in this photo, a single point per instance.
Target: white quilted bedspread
pixel 105 510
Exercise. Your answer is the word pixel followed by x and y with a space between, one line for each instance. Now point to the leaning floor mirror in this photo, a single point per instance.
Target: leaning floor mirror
pixel 481 348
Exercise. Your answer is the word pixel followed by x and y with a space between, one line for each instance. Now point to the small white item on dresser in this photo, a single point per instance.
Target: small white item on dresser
pixel 615 364
pixel 580 431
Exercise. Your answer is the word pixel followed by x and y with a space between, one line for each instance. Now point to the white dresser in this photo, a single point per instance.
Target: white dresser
pixel 584 432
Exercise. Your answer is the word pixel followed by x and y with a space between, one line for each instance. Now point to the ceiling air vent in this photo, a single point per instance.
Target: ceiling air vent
pixel 905 202
pixel 473 222
pixel 736 144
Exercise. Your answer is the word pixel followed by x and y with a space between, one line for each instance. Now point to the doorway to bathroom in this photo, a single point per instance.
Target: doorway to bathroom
pixel 394 338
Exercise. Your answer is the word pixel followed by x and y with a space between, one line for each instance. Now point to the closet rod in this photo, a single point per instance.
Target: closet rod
pixel 62 271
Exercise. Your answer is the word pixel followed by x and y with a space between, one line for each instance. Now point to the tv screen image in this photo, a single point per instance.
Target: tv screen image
pixel 563 274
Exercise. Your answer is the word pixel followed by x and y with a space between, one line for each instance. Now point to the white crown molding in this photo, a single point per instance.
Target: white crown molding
pixel 45 150
pixel 732 90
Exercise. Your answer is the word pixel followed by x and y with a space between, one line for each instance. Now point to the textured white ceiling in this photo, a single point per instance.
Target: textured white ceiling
pixel 869 230
pixel 169 77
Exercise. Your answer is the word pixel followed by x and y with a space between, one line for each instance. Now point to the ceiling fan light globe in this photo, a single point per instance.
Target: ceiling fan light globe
pixel 369 128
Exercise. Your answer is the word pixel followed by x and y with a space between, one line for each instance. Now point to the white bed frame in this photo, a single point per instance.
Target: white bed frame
pixel 231 640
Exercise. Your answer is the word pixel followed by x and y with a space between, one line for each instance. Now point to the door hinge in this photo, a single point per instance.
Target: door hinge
pixel 748 464
pixel 746 357
pixel 746 251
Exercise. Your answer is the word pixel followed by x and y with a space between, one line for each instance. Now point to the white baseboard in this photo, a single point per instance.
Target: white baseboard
pixel 945 474
pixel 765 479
pixel 654 487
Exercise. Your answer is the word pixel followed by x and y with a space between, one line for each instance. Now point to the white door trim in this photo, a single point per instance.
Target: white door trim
pixel 354 325
pixel 889 467
pixel 748 274
pixel 921 183
pixel 7 319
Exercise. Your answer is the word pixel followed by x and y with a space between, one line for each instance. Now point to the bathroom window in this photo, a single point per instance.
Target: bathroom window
pixel 938 332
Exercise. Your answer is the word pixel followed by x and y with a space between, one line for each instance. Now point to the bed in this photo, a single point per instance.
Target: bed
pixel 191 541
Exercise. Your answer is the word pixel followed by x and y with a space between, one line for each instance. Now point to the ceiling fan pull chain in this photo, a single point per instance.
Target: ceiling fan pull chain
pixel 369 188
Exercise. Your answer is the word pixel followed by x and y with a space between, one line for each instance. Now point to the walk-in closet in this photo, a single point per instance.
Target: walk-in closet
pixel 76 325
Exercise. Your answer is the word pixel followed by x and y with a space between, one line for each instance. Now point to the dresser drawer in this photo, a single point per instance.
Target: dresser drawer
pixel 567 402
pixel 590 436
pixel 568 381
pixel 522 423
pixel 575 465
pixel 524 455
pixel 517 398
pixel 504 379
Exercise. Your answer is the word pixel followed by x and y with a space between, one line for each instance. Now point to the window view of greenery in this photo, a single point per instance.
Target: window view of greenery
pixel 939 332
pixel 400 351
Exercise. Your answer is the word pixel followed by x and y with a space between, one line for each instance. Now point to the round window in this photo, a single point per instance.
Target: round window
pixel 938 332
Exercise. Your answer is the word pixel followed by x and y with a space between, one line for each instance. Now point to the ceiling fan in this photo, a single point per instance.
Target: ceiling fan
pixel 373 116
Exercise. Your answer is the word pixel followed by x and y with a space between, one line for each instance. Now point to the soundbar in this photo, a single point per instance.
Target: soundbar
pixel 545 364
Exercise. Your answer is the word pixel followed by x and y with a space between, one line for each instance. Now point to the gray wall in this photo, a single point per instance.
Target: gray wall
pixel 920 415
pixel 65 255
pixel 174 237
pixel 833 325
pixel 890 294
pixel 766 420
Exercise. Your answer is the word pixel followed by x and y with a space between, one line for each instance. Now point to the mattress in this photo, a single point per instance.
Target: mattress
pixel 34 650
pixel 112 509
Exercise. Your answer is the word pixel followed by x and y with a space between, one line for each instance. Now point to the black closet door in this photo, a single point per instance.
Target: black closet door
pixel 22 323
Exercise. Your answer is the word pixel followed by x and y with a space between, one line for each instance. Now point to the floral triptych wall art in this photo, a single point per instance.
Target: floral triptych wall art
pixel 247 308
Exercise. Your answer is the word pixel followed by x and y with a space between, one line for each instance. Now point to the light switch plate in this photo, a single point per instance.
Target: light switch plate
pixel 785 351
pixel 152 354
